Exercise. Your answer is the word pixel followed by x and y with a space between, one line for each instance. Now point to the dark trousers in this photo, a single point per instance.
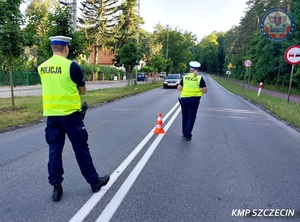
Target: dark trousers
pixel 189 108
pixel 56 130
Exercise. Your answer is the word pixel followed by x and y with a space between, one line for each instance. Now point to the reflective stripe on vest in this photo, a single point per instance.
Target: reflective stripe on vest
pixel 191 86
pixel 60 93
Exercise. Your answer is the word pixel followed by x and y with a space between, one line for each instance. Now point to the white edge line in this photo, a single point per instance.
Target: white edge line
pixel 223 87
pixel 115 202
pixel 84 211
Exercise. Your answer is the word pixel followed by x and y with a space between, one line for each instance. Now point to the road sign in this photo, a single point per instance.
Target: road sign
pixel 292 55
pixel 230 66
pixel 277 24
pixel 248 63
pixel 228 72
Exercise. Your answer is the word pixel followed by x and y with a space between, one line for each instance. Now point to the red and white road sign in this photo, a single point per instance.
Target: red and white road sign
pixel 292 55
pixel 248 63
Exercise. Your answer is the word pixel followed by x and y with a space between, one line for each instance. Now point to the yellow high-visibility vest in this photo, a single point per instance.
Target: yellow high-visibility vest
pixel 60 93
pixel 191 86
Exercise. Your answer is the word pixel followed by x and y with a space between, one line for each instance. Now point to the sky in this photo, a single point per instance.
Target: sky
pixel 201 17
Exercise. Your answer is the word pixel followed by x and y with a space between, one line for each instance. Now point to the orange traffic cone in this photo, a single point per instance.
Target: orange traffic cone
pixel 159 125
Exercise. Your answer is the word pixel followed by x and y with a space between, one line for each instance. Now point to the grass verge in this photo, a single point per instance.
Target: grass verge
pixel 28 109
pixel 275 106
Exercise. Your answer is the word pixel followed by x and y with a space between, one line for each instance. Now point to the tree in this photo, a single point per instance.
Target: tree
pixel 221 51
pixel 37 27
pixel 62 24
pixel 209 49
pixel 129 55
pixel 47 18
pixel 10 38
pixel 180 46
pixel 158 62
pixel 99 19
pixel 127 21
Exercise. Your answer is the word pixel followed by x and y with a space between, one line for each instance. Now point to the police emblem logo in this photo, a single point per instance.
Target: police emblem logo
pixel 277 24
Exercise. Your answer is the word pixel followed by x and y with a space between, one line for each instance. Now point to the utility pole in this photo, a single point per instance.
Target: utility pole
pixel 167 42
pixel 137 37
pixel 74 4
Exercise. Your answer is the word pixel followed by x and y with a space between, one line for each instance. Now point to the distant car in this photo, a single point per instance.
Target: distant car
pixel 141 77
pixel 162 74
pixel 172 80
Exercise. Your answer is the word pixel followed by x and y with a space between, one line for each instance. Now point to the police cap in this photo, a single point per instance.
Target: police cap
pixel 195 64
pixel 60 40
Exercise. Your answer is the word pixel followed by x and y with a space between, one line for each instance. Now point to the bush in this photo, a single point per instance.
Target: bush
pixel 99 72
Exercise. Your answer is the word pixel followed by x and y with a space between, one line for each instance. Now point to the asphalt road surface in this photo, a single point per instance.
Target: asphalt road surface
pixel 241 165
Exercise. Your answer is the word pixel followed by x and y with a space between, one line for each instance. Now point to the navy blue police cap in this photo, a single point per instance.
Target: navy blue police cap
pixel 60 40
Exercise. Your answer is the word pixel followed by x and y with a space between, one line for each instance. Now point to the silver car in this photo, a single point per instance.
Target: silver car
pixel 172 80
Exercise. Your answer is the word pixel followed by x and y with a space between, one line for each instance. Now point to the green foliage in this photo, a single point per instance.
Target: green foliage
pixel 11 41
pixel 48 18
pixel 158 62
pixel 129 55
pixel 209 49
pixel 99 72
pixel 61 22
pixel 182 68
pixel 10 22
pixel 169 66
pixel 148 69
pixel 127 23
pixel 99 19
pixel 179 44
pixel 111 24
pixel 247 42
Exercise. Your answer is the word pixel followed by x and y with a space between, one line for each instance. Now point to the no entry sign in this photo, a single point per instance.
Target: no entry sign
pixel 292 55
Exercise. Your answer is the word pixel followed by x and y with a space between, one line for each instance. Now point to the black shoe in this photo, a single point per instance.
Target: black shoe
pixel 100 182
pixel 188 139
pixel 57 192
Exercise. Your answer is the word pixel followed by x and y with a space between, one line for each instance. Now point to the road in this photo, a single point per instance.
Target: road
pixel 240 158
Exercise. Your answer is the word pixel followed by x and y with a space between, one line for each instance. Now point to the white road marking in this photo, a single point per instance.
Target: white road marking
pixel 85 210
pixel 223 87
pixel 115 202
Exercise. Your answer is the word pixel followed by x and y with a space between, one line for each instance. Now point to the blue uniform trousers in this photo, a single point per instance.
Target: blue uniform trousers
pixel 56 130
pixel 189 108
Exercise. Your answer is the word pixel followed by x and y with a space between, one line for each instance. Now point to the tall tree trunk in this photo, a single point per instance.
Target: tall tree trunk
pixel 129 74
pixel 11 84
pixel 95 61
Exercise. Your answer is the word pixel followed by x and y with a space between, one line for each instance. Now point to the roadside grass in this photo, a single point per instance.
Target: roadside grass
pixel 282 89
pixel 290 113
pixel 28 109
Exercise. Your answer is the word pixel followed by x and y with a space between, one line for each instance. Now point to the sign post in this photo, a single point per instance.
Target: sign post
pixel 247 64
pixel 228 72
pixel 292 56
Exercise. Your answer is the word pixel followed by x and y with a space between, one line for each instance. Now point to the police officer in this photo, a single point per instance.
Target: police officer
pixel 62 84
pixel 192 87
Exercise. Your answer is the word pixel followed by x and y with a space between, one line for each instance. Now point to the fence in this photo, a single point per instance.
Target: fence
pixel 20 78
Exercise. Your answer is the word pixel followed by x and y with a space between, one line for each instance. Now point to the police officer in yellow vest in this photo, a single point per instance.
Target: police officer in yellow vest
pixel 62 85
pixel 192 87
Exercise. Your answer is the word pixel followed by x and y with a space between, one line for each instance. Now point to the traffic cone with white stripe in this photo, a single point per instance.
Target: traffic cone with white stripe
pixel 159 125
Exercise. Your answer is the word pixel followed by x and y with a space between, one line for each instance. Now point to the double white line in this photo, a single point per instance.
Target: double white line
pixel 113 205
